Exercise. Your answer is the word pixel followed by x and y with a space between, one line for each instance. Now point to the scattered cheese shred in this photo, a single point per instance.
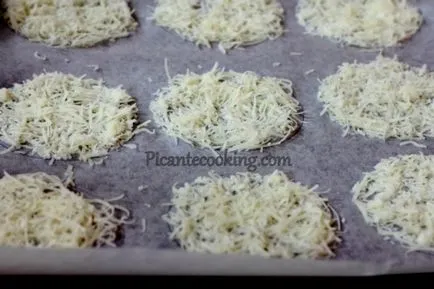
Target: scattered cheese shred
pixel 143 225
pixel 413 143
pixel 382 99
pixel 37 55
pixel 130 146
pixel 309 71
pixel 221 48
pixel 252 214
pixel 397 198
pixel 69 176
pixel 60 116
pixel 363 23
pixel 230 23
pixel 68 23
pixel 38 210
pixel 94 67
pixel 227 110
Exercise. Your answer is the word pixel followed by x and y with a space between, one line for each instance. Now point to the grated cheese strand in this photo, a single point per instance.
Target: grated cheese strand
pixel 130 146
pixel 397 198
pixel 94 67
pixel 60 116
pixel 227 110
pixel 309 71
pixel 363 23
pixel 231 24
pixel 381 99
pixel 143 225
pixel 248 213
pixel 70 23
pixel 413 143
pixel 38 210
pixel 39 56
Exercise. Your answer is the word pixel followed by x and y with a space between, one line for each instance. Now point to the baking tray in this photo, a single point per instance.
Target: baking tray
pixel 318 153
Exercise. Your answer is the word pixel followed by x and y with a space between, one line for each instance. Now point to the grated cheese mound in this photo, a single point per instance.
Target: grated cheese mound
pixel 227 110
pixel 363 23
pixel 38 210
pixel 229 23
pixel 398 199
pixel 70 23
pixel 60 116
pixel 383 99
pixel 248 213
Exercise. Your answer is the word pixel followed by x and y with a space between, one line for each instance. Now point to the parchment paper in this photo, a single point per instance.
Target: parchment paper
pixel 318 153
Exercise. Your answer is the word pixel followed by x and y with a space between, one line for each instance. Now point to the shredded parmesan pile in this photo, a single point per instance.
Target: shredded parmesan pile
pixel 60 116
pixel 363 23
pixel 384 99
pixel 230 23
pixel 398 198
pixel 227 110
pixel 70 23
pixel 248 213
pixel 38 210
